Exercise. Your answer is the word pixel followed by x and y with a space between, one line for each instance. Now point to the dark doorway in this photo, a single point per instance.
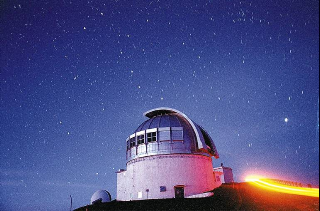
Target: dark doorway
pixel 179 191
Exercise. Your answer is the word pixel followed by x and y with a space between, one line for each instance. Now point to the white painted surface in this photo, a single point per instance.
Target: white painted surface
pixel 194 172
pixel 226 174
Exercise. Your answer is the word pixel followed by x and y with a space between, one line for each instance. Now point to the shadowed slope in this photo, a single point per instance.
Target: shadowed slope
pixel 240 196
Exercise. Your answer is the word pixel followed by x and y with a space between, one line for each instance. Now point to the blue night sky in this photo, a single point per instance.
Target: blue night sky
pixel 76 77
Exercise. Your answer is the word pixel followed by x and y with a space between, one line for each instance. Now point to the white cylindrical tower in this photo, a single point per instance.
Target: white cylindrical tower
pixel 168 156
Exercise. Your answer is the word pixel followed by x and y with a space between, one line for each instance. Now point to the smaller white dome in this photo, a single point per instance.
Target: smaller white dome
pixel 100 196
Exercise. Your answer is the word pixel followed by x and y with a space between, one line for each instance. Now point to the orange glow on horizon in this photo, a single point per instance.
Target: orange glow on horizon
pixel 273 185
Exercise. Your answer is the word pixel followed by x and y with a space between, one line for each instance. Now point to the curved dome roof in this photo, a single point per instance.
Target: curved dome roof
pixel 164 120
pixel 100 196
pixel 171 127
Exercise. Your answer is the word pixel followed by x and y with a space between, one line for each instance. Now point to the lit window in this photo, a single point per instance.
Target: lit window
pixel 152 137
pixel 141 139
pixel 132 142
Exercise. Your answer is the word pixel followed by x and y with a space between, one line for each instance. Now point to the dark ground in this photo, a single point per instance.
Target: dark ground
pixel 240 196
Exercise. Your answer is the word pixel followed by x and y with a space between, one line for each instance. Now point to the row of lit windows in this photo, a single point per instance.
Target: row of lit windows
pixel 152 137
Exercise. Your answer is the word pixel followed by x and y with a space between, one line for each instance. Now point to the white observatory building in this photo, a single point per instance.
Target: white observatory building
pixel 168 156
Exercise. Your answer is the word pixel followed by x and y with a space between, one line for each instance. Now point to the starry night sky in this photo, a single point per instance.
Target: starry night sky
pixel 76 77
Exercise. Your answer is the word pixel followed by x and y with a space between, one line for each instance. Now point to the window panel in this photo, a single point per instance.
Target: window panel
pixel 132 142
pixel 141 139
pixel 177 135
pixel 164 135
pixel 152 137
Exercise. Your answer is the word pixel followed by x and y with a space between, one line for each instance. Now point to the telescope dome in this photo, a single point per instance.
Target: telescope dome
pixel 169 131
pixel 100 196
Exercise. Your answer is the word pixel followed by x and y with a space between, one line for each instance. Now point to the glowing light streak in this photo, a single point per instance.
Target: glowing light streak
pixel 273 185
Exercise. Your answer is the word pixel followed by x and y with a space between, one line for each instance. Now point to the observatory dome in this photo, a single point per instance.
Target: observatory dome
pixel 100 196
pixel 169 131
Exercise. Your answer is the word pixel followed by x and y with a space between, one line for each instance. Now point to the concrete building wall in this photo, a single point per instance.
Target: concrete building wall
pixel 228 175
pixel 219 174
pixel 145 176
pixel 218 177
pixel 122 178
